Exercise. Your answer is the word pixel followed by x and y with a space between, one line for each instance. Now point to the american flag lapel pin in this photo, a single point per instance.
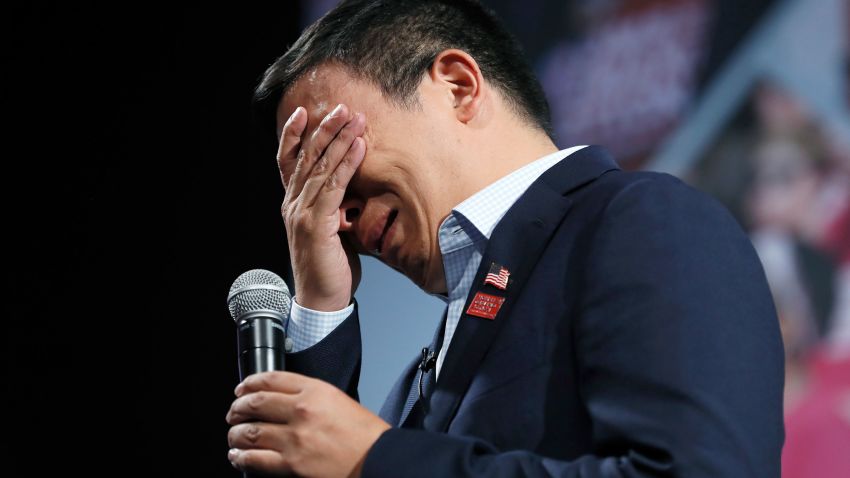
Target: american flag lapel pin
pixel 497 276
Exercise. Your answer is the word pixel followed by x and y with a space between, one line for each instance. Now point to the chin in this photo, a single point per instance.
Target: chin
pixel 430 284
pixel 416 267
pixel 418 274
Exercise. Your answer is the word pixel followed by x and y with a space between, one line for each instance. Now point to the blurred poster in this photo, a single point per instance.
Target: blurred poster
pixel 626 79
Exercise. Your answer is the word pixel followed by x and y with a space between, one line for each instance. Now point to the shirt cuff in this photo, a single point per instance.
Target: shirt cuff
pixel 307 327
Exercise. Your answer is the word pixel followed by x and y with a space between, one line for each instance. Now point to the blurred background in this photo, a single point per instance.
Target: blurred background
pixel 139 188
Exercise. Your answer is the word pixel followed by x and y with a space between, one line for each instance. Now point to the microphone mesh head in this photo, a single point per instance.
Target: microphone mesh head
pixel 258 289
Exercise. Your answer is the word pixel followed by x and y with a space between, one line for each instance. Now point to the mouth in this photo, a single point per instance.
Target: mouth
pixel 383 240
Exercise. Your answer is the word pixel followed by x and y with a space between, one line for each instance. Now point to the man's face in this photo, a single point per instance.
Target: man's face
pixel 403 189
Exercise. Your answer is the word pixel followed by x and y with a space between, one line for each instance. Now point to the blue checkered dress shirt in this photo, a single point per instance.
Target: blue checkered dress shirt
pixel 463 236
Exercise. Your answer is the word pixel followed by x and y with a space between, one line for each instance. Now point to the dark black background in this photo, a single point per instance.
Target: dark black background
pixel 139 188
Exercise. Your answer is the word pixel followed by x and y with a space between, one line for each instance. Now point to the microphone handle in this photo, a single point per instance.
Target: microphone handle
pixel 261 341
pixel 261 344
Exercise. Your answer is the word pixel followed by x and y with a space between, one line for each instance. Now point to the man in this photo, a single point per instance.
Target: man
pixel 598 323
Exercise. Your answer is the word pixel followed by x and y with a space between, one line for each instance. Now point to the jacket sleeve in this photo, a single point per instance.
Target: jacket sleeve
pixel 335 359
pixel 679 352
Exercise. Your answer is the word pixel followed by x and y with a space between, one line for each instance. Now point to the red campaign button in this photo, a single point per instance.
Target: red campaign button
pixel 485 306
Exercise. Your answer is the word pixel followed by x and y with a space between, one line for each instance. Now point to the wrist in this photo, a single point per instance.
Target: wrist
pixel 319 304
pixel 380 428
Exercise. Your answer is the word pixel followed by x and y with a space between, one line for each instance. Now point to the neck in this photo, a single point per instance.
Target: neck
pixel 504 151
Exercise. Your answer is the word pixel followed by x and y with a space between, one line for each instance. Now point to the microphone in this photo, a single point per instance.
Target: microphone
pixel 259 303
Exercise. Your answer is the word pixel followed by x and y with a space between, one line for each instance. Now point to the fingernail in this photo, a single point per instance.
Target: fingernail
pixel 293 115
pixel 232 454
pixel 337 111
pixel 238 390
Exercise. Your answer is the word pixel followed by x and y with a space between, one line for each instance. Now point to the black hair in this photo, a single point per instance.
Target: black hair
pixel 393 43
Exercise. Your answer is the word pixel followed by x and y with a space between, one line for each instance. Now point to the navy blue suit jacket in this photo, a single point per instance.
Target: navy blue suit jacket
pixel 637 338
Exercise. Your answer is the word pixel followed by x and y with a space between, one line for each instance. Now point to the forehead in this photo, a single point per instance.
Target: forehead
pixel 320 89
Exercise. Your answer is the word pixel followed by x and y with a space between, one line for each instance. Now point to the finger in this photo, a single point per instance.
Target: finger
pixel 314 147
pixel 284 382
pixel 259 461
pixel 331 158
pixel 256 435
pixel 330 198
pixel 290 143
pixel 273 407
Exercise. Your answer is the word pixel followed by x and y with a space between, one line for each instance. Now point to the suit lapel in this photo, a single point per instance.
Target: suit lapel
pixel 394 409
pixel 516 243
pixel 393 406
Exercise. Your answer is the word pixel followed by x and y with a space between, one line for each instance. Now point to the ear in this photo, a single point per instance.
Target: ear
pixel 458 72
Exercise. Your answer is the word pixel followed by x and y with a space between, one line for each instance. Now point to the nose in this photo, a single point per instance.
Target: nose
pixel 349 212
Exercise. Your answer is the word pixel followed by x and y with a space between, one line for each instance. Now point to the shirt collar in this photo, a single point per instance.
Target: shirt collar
pixel 472 221
pixel 484 209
